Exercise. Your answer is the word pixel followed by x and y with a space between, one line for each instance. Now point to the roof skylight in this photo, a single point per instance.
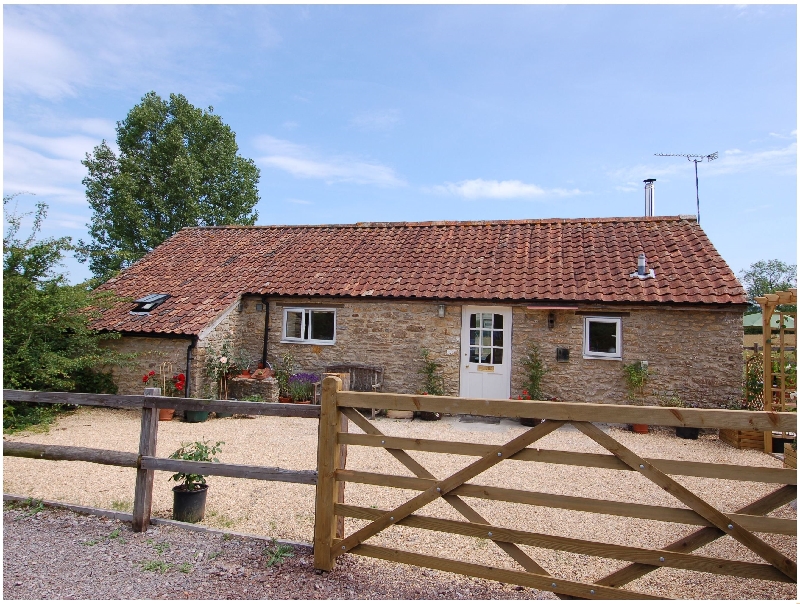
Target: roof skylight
pixel 149 302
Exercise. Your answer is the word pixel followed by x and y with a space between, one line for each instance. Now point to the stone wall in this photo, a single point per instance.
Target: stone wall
pixel 380 333
pixel 152 354
pixel 243 327
pixel 694 354
pixel 241 388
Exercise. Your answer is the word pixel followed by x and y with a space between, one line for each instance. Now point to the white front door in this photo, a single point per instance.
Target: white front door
pixel 486 352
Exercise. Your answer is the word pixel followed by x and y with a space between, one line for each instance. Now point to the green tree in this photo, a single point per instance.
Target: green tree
pixel 177 166
pixel 47 340
pixel 766 277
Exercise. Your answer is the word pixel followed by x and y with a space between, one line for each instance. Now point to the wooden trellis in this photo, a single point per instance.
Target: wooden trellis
pixel 780 364
pixel 338 407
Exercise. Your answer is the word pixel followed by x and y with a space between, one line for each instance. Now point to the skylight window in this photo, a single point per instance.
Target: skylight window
pixel 149 302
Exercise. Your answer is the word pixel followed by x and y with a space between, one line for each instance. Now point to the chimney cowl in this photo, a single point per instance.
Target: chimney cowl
pixel 649 196
pixel 642 271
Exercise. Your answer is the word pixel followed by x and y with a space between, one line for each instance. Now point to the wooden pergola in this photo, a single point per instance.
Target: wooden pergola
pixel 777 397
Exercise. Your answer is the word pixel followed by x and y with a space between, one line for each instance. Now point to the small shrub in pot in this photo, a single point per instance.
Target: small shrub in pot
pixel 189 497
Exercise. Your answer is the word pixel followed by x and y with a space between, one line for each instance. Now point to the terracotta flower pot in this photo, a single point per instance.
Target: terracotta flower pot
pixel 640 428
pixel 165 415
pixel 302 402
pixel 285 399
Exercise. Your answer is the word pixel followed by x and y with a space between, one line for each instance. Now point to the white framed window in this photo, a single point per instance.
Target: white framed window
pixel 602 338
pixel 309 325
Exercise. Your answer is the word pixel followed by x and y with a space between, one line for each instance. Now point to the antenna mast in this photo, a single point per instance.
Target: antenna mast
pixel 696 159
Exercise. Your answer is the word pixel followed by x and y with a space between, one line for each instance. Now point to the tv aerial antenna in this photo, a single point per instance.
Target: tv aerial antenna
pixel 696 159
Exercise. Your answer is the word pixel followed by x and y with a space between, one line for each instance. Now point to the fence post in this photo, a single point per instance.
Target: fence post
pixel 143 495
pixel 329 459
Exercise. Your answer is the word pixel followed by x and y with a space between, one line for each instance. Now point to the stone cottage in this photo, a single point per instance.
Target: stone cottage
pixel 591 294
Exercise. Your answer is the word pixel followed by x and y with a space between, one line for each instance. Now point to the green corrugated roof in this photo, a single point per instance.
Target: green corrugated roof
pixel 755 321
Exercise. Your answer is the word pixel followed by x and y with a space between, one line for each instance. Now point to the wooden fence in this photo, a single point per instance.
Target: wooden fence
pixel 145 460
pixel 338 407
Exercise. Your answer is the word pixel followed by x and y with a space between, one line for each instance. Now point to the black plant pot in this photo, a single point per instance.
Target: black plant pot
pixel 220 414
pixel 189 506
pixel 689 433
pixel 530 421
pixel 430 416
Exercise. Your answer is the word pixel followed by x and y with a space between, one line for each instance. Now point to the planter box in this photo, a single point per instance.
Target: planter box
pixel 743 439
pixel 789 456
pixel 394 414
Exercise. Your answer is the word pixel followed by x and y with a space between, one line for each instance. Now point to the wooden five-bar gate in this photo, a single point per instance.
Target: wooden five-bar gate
pixel 338 408
pixel 329 541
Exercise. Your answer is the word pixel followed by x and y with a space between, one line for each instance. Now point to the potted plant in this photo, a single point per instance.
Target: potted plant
pixel 636 376
pixel 432 383
pixel 282 375
pixel 189 497
pixel 301 387
pixel 169 386
pixel 673 400
pixel 535 370
pixel 220 365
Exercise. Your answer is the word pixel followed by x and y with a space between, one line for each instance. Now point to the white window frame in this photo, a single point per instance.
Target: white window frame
pixel 303 310
pixel 614 356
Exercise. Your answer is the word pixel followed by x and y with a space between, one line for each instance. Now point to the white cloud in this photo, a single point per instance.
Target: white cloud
pixel 500 189
pixel 301 162
pixel 376 120
pixel 38 63
pixel 58 51
pixel 781 160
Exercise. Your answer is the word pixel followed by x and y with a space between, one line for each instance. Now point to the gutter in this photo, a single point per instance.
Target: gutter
pixel 189 350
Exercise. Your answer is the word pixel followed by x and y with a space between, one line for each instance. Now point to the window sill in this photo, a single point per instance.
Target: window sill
pixel 602 357
pixel 310 342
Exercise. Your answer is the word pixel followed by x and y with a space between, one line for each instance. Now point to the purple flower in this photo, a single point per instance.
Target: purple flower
pixel 303 378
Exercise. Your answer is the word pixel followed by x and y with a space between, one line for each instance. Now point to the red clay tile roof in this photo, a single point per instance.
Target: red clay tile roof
pixel 584 260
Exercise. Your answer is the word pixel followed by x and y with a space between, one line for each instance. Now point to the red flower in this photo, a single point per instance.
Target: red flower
pixel 152 373
pixel 181 377
pixel 145 378
pixel 519 398
pixel 524 392
pixel 179 386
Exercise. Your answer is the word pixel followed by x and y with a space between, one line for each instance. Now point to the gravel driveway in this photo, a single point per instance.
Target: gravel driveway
pixel 285 511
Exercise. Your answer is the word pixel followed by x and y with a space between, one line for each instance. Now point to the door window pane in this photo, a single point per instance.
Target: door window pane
pixel 486 321
pixel 498 338
pixel 473 320
pixel 486 355
pixel 498 321
pixel 486 338
pixel 473 354
pixel 497 356
pixel 474 336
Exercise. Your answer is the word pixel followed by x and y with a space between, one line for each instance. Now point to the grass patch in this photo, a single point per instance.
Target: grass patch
pixel 221 520
pixel 185 568
pixel 277 553
pixel 30 505
pixel 158 566
pixel 122 505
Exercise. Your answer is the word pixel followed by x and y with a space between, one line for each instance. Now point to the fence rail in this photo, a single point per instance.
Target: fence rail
pixel 712 522
pixel 145 461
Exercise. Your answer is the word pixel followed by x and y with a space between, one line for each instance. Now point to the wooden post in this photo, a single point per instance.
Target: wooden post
pixel 143 495
pixel 766 332
pixel 329 458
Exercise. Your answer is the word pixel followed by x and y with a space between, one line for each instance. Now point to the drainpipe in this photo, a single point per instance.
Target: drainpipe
pixel 265 302
pixel 189 365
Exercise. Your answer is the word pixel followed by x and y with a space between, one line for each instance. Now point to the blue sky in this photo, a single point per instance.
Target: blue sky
pixel 407 113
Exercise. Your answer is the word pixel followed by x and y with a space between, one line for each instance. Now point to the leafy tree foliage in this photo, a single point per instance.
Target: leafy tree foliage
pixel 47 341
pixel 177 166
pixel 766 277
